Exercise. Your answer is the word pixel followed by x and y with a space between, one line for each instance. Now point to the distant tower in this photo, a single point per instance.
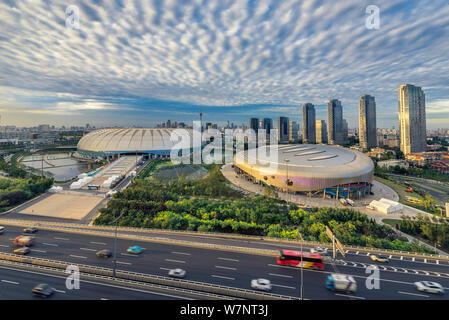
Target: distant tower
pixel 367 122
pixel 201 120
pixel 308 123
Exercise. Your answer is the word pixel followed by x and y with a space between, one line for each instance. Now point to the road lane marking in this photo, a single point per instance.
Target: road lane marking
pixel 128 254
pixel 279 275
pixel 221 277
pixel 413 294
pixel 42 251
pixel 49 244
pixel 103 299
pixel 165 269
pixel 437 261
pixel 390 256
pixel 348 296
pixel 4 245
pixel 60 291
pixel 171 260
pixel 11 282
pixel 287 287
pixel 57 238
pixel 102 243
pixel 121 262
pixel 228 259
pixel 175 252
pixel 81 257
pixel 228 268
pixel 402 258
pixel 413 258
pixel 425 260
pixel 357 252
pixel 87 249
pixel 368 254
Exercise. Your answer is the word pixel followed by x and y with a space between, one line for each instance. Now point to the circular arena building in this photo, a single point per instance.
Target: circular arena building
pixel 313 169
pixel 154 143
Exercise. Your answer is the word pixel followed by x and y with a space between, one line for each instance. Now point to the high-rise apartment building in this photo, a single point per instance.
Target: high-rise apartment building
pixel 321 131
pixel 293 130
pixel 268 124
pixel 254 124
pixel 412 119
pixel 367 122
pixel 283 129
pixel 335 122
pixel 308 123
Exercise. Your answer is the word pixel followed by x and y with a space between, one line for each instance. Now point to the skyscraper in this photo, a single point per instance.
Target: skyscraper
pixel 293 130
pixel 412 119
pixel 254 124
pixel 321 131
pixel 345 132
pixel 367 122
pixel 283 129
pixel 308 123
pixel 268 124
pixel 335 122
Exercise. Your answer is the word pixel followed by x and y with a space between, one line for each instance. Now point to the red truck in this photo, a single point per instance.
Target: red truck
pixel 23 241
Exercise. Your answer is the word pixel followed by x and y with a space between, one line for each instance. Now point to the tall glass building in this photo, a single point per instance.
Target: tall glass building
pixel 308 123
pixel 367 122
pixel 335 122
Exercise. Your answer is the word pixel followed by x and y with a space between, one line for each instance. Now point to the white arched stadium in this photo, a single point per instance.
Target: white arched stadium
pixel 313 169
pixel 114 142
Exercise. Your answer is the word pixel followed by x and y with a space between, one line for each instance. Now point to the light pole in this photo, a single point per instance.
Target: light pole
pixel 301 286
pixel 115 243
pixel 288 195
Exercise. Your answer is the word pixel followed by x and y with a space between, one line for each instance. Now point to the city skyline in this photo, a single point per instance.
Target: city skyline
pixel 246 58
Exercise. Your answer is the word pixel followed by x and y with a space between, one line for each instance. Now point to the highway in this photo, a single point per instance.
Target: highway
pixel 237 269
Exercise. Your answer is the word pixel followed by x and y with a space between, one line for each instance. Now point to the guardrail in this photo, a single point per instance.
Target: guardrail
pixel 147 278
pixel 71 227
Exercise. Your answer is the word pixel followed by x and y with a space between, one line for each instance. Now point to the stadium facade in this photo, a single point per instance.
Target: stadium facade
pixel 154 143
pixel 312 169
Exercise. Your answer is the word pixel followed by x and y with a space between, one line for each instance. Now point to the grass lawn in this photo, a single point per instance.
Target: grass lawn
pixel 391 222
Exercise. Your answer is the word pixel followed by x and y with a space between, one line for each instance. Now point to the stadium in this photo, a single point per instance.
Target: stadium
pixel 111 143
pixel 323 170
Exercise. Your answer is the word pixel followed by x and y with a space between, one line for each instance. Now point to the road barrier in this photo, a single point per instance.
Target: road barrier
pixel 99 231
pixel 147 278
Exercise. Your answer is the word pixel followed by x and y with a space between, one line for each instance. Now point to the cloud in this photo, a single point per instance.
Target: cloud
pixel 220 53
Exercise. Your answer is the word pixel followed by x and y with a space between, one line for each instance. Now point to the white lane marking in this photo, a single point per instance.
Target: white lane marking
pixel 121 262
pixel 413 258
pixel 87 249
pixel 4 245
pixel 11 282
pixel 278 285
pixel 402 258
pixel 357 252
pixel 228 259
pixel 102 243
pixel 425 260
pixel 228 268
pixel 390 256
pixel 437 261
pixel 221 277
pixel 368 254
pixel 363 265
pixel 57 238
pixel 49 244
pixel 175 252
pixel 165 269
pixel 60 291
pixel 42 251
pixel 279 275
pixel 394 269
pixel 438 275
pixel 425 272
pixel 81 257
pixel 413 294
pixel 348 296
pixel 171 260
pixel 346 251
pixel 128 254
pixel 103 299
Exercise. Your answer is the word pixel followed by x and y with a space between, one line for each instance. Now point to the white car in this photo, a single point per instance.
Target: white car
pixel 177 273
pixel 429 286
pixel 261 284
pixel 321 251
pixel 2 229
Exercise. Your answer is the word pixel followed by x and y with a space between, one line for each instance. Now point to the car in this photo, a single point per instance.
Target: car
pixel 321 251
pixel 135 250
pixel 177 273
pixel 341 282
pixel 105 253
pixel 2 229
pixel 43 290
pixel 30 230
pixel 261 284
pixel 22 250
pixel 378 258
pixel 429 286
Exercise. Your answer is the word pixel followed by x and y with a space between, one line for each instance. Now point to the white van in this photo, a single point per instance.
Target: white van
pixel 341 282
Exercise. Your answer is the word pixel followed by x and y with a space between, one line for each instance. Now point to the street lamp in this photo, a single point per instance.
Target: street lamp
pixel 115 243
pixel 288 195
pixel 301 286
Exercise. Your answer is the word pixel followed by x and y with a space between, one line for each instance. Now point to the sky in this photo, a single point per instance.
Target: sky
pixel 139 62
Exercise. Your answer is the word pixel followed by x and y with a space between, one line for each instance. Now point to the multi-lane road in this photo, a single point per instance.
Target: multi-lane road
pixel 235 269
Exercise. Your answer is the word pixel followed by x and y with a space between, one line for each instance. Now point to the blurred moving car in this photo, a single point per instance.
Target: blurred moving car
pixel 22 251
pixel 261 284
pixel 43 290
pixel 22 240
pixel 135 250
pixel 2 229
pixel 105 253
pixel 341 282
pixel 378 258
pixel 429 286
pixel 321 251
pixel 177 273
pixel 30 230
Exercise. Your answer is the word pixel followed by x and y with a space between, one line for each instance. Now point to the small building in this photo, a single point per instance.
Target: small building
pixel 386 206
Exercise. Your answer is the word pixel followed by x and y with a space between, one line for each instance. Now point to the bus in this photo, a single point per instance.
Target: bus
pixel 293 258
pixel 93 187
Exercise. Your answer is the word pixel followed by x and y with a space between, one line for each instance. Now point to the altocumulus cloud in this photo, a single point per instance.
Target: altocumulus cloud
pixel 219 53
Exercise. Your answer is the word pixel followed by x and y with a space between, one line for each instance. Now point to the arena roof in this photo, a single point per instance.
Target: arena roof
pixel 116 141
pixel 310 167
